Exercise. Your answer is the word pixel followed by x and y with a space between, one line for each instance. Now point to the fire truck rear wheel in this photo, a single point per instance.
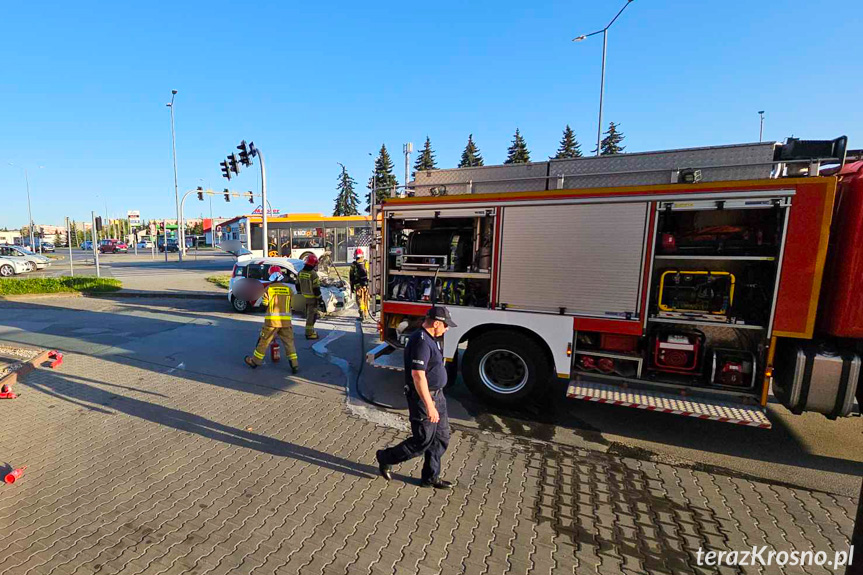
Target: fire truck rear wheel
pixel 505 367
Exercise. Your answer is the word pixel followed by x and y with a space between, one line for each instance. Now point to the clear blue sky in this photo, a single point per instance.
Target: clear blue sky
pixel 84 87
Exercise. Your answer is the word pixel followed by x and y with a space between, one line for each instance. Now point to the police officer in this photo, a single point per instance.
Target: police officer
pixel 277 299
pixel 425 378
pixel 310 287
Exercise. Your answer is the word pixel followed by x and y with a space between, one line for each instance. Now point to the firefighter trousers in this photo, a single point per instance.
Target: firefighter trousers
pixel 268 332
pixel 427 439
pixel 311 315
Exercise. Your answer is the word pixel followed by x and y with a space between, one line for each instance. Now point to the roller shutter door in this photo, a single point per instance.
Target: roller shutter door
pixel 586 258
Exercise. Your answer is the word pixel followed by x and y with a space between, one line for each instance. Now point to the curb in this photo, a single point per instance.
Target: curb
pixel 25 297
pixel 157 295
pixel 12 378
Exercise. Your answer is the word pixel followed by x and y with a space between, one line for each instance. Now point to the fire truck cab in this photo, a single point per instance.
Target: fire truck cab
pixel 692 281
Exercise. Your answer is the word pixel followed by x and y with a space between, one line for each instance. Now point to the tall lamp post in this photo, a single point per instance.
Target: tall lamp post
pixel 180 236
pixel 29 210
pixel 604 33
pixel 761 128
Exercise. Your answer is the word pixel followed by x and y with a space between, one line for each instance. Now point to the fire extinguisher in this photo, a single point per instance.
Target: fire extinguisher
pixel 275 352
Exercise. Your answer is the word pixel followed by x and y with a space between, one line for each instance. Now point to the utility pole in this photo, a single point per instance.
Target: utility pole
pixel 95 251
pixel 408 148
pixel 30 212
pixel 69 242
pixel 761 129
pixel 180 236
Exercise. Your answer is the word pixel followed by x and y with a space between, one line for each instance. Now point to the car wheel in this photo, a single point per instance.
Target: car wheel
pixel 31 266
pixel 240 305
pixel 505 367
pixel 7 271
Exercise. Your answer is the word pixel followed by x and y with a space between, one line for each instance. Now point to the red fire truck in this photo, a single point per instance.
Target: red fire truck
pixel 693 282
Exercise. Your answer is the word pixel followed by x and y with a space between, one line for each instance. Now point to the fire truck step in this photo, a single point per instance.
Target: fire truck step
pixel 387 357
pixel 700 408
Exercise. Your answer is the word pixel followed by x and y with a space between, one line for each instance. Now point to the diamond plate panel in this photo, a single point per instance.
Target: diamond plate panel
pixel 700 408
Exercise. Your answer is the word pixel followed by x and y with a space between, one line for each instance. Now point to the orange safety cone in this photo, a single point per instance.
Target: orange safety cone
pixel 12 476
pixel 275 352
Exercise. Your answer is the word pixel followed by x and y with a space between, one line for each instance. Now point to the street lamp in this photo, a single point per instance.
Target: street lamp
pixel 761 129
pixel 29 210
pixel 604 33
pixel 180 238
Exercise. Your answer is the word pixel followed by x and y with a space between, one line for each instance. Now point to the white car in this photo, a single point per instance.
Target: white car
pixel 145 245
pixel 258 268
pixel 12 266
pixel 34 261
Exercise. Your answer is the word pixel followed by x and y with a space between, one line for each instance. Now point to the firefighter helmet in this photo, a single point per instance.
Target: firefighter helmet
pixel 312 260
pixel 274 270
pixel 276 274
pixel 359 254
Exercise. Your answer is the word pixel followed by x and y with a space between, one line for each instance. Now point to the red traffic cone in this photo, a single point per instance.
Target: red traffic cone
pixel 12 476
pixel 275 352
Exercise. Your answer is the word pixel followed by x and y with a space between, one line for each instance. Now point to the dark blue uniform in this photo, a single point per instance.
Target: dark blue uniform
pixel 423 353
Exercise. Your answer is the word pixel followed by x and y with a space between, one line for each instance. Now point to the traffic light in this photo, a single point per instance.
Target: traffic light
pixel 234 162
pixel 226 171
pixel 227 195
pixel 251 198
pixel 200 193
pixel 244 154
pixel 98 223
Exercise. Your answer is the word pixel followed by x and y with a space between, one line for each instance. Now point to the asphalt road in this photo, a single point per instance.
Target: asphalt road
pixel 203 338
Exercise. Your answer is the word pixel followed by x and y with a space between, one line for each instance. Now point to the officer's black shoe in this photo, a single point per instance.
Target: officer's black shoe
pixel 383 467
pixel 295 369
pixel 249 362
pixel 437 484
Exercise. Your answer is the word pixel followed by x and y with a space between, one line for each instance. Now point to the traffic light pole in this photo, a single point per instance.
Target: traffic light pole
pixel 265 240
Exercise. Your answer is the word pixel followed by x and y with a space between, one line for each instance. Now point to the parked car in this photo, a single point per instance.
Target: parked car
pixel 12 266
pixel 173 245
pixel 87 245
pixel 34 261
pixel 145 245
pixel 112 247
pixel 47 247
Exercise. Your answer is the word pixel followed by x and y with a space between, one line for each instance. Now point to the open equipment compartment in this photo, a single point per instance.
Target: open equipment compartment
pixel 714 282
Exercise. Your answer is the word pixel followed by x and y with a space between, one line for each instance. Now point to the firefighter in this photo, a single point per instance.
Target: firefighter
pixel 310 288
pixel 277 299
pixel 359 277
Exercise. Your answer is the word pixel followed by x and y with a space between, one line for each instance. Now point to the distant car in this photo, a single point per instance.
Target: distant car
pixel 34 261
pixel 10 267
pixel 145 245
pixel 173 245
pixel 87 245
pixel 112 247
pixel 47 247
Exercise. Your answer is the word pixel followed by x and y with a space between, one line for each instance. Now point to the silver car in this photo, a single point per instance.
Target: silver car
pixel 34 261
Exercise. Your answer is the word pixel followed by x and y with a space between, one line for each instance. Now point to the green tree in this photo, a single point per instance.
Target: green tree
pixel 383 181
pixel 426 160
pixel 471 157
pixel 73 233
pixel 610 144
pixel 569 146
pixel 347 201
pixel 518 152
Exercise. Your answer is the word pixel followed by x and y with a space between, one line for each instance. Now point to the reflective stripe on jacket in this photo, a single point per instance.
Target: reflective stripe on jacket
pixel 277 298
pixel 310 283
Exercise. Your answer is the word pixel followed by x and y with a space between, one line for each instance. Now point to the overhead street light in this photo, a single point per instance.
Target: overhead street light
pixel 604 33
pixel 180 238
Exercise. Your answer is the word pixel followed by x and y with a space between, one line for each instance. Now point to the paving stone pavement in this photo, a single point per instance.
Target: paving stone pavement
pixel 135 471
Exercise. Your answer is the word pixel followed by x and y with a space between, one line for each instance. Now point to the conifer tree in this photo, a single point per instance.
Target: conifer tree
pixel 383 180
pixel 347 202
pixel 471 157
pixel 518 152
pixel 569 146
pixel 610 144
pixel 426 159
